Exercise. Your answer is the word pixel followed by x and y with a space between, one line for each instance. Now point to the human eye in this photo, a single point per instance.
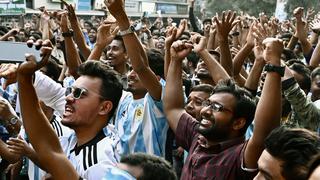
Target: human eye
pixel 217 107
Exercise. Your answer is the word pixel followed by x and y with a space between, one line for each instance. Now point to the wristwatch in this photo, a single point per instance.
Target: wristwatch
pixel 130 30
pixel 13 120
pixel 272 68
pixel 68 34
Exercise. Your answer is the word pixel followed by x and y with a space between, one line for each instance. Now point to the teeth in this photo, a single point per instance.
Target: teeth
pixel 205 121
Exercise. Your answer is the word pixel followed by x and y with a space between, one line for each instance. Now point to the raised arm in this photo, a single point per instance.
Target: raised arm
pixel 73 58
pixel 217 72
pixel 268 112
pixel 40 133
pixel 253 79
pixel 315 58
pixel 302 31
pixel 223 27
pixel 104 37
pixel 135 50
pixel 173 97
pixel 243 54
pixel 78 35
pixel 192 18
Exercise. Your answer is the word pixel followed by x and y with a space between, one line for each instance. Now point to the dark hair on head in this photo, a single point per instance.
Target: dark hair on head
pixel 315 72
pixel 294 148
pixel 52 70
pixel 185 35
pixel 111 88
pixel 93 28
pixel 4 29
pixel 207 88
pixel 156 61
pixel 207 20
pixel 119 38
pixel 305 84
pixel 2 33
pixel 193 58
pixel 289 54
pixel 89 23
pixel 245 106
pixel 153 167
pixel 315 162
pixel 35 35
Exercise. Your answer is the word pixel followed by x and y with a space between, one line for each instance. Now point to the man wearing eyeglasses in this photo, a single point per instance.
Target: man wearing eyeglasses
pixel 216 145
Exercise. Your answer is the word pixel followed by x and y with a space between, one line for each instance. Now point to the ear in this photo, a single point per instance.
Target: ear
pixel 239 123
pixel 105 108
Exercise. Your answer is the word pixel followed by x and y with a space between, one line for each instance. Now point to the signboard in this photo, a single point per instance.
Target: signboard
pixel 68 1
pixel 84 5
pixel 10 7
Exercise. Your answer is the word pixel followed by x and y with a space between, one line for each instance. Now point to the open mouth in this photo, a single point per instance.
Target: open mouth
pixel 206 123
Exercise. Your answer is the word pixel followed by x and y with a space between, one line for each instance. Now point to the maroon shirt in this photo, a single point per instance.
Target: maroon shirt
pixel 221 161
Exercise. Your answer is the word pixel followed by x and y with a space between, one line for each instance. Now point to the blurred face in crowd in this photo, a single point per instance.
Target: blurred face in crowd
pixel 315 87
pixel 116 53
pixel 135 86
pixel 194 103
pixel 202 71
pixel 87 26
pixel 82 112
pixel 269 167
pixel 92 35
pixel 160 44
pixel 217 117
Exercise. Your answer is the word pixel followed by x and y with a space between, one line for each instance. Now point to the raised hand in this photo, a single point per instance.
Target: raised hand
pixel 105 35
pixel 170 36
pixel 19 146
pixel 315 25
pixel 298 13
pixel 273 50
pixel 31 64
pixel 179 50
pixel 115 7
pixel 225 25
pixel 199 42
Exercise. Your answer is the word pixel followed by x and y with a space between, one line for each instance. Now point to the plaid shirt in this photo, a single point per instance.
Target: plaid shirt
pixel 222 161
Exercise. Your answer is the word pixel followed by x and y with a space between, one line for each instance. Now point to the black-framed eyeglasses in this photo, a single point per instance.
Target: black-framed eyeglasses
pixel 76 92
pixel 215 106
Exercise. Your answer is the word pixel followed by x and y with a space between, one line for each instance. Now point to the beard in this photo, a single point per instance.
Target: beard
pixel 214 133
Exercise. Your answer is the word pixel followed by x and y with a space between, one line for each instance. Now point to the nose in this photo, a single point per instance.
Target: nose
pixel 189 107
pixel 132 74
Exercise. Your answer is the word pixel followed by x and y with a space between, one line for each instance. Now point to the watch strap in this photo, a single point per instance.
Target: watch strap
pixel 272 68
pixel 130 30
pixel 68 34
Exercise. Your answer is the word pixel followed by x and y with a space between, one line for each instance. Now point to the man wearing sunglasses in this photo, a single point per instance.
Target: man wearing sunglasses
pixel 91 102
pixel 216 144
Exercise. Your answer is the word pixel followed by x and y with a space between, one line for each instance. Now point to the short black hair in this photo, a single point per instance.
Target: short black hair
pixel 245 106
pixel 153 167
pixel 294 147
pixel 53 70
pixel 207 88
pixel 315 162
pixel 111 88
pixel 119 38
pixel 156 61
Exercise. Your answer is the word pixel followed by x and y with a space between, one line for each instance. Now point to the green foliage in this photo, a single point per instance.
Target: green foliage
pixel 252 7
pixel 292 4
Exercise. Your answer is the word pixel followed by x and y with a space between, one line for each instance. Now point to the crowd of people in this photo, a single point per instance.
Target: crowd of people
pixel 227 97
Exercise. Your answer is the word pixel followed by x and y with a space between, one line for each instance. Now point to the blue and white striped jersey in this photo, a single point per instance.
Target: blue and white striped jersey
pixel 63 133
pixel 141 124
pixel 91 158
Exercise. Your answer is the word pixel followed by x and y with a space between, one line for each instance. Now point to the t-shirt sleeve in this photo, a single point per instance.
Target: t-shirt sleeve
pixel 186 130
